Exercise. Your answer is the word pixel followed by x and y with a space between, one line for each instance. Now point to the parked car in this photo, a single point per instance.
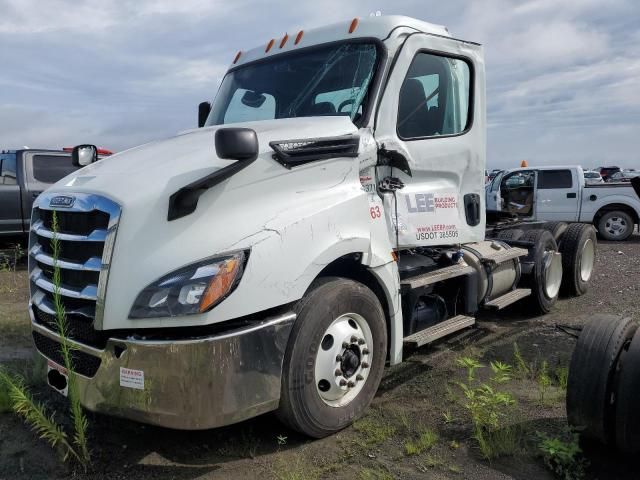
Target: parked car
pixel 624 176
pixel 24 174
pixel 561 194
pixel 606 172
pixel 592 177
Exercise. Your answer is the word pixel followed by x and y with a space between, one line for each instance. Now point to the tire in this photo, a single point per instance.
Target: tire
pixel 510 234
pixel 591 373
pixel 627 393
pixel 330 309
pixel 545 276
pixel 578 249
pixel 557 229
pixel 615 226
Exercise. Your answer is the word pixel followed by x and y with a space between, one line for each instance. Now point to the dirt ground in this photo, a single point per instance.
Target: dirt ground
pixel 421 395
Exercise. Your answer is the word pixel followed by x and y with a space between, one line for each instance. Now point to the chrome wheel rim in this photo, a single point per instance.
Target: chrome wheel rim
pixel 587 260
pixel 552 273
pixel 343 360
pixel 616 226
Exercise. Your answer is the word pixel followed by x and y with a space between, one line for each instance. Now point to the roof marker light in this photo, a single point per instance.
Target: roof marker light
pixel 284 40
pixel 299 37
pixel 354 25
pixel 269 45
pixel 235 60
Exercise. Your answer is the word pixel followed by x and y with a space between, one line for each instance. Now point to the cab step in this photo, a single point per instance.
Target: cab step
pixel 508 298
pixel 440 330
pixel 439 275
pixel 501 256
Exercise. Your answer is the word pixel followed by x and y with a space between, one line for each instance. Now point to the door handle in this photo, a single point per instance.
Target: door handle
pixel 571 195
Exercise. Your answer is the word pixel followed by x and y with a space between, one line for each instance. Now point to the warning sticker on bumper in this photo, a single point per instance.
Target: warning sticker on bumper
pixel 131 378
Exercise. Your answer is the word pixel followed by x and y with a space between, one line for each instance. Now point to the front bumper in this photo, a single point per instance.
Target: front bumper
pixel 189 384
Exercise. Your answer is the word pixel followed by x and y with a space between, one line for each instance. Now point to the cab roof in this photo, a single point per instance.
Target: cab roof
pixel 367 27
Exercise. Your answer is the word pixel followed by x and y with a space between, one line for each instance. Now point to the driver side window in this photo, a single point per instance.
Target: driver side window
pixel 435 97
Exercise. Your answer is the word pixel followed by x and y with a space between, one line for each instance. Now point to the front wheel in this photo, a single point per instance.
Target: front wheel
pixel 335 357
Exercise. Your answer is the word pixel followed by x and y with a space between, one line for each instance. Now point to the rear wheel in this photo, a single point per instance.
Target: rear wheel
pixel 627 394
pixel 578 250
pixel 510 234
pixel 615 225
pixel 546 274
pixel 335 358
pixel 557 229
pixel 591 372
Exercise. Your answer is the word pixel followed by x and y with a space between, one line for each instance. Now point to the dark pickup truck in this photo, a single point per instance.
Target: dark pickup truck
pixel 24 174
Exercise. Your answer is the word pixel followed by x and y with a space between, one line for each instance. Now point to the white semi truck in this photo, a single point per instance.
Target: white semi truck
pixel 328 213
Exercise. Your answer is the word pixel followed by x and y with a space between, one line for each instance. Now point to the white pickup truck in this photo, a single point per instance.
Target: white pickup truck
pixel 328 213
pixel 559 193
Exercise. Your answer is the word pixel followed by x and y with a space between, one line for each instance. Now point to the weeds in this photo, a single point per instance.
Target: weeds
pixel 448 417
pixel 544 382
pixel 5 399
pixel 487 407
pixel 561 376
pixel 425 441
pixel 563 457
pixel 471 365
pixel 522 369
pixel 34 413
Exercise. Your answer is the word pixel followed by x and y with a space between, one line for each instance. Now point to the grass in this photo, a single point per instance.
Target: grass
pixel 373 431
pixel 374 474
pixel 425 441
pixel 296 468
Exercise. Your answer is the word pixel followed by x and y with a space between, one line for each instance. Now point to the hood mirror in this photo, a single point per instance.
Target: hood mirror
pixel 253 99
pixel 237 144
pixel 203 113
pixel 83 155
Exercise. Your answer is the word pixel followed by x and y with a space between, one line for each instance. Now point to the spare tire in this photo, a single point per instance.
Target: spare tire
pixel 591 373
pixel 578 249
pixel 510 234
pixel 627 393
pixel 557 229
pixel 544 270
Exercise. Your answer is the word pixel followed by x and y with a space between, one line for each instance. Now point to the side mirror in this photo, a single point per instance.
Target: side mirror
pixel 203 112
pixel 237 144
pixel 83 155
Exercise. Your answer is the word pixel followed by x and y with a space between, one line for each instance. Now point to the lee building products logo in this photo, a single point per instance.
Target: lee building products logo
pixel 422 202
pixel 64 201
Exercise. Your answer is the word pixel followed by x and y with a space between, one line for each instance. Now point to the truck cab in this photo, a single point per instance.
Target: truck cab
pixel 327 213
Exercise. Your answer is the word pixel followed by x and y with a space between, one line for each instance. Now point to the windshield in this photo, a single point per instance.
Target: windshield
pixel 330 80
pixel 591 175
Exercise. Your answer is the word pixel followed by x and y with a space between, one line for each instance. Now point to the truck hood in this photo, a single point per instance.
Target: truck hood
pixel 172 163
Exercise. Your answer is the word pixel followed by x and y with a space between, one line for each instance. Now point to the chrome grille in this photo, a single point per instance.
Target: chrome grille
pixel 86 232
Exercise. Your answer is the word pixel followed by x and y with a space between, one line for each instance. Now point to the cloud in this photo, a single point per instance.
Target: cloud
pixel 561 76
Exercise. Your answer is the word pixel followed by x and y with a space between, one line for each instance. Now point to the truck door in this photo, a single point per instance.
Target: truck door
pixel 10 210
pixel 517 193
pixel 493 193
pixel 432 114
pixel 557 195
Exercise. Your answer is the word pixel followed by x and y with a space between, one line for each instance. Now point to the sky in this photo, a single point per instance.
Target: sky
pixel 563 76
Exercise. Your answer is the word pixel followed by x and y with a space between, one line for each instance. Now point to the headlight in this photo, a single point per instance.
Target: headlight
pixel 196 288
